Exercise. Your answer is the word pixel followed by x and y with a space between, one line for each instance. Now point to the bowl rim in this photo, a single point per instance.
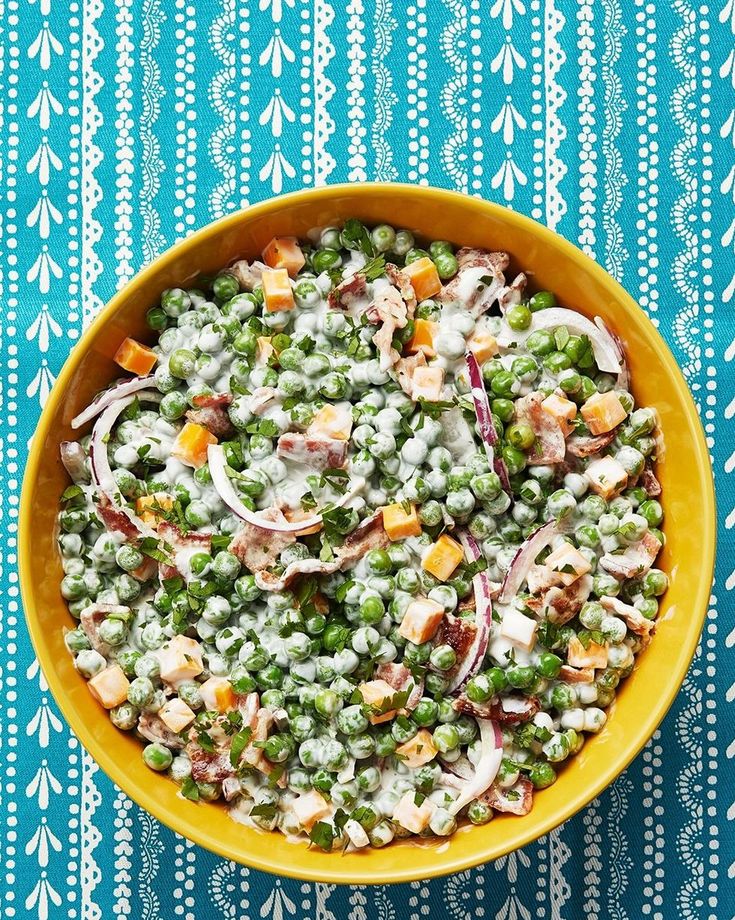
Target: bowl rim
pixel 446 865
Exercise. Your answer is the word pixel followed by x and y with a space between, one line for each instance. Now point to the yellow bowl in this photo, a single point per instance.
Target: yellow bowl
pixel 683 469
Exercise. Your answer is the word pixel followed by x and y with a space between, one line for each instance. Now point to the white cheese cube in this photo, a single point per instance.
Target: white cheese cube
pixel 180 660
pixel 357 834
pixel 519 629
pixel 567 563
pixel 421 620
pixel 413 817
pixel 176 715
pixel 310 808
pixel 606 477
pixel 427 383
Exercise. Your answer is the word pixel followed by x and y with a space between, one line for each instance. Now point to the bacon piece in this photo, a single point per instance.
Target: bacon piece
pixel 152 727
pixel 248 274
pixel 267 581
pixel 90 619
pixel 399 279
pixel 562 604
pixel 583 445
pixel 481 296
pixel 74 460
pixel 519 708
pixel 457 633
pixel 635 561
pixel 115 520
pixel 399 677
pixel 317 452
pixel 570 675
pixel 512 294
pixel 550 446
pixel 254 756
pixel 633 618
pixel 207 767
pixel 178 541
pixel 405 367
pixel 260 399
pixel 649 482
pixel 369 534
pixel 211 413
pixel 258 548
pixel 390 310
pixel 518 800
pixel 347 292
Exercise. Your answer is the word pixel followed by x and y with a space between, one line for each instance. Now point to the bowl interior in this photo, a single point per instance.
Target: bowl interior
pixel 683 470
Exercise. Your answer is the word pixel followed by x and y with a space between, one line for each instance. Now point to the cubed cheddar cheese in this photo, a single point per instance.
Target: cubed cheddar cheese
pixel 284 252
pixel 418 750
pixel 176 715
pixel 567 563
pixel 217 694
pixel 427 383
pixel 277 291
pixel 482 345
pixel 333 421
pixel 443 558
pixel 519 629
pixel 421 620
pixel 264 350
pixel 399 523
pixel 310 807
pixel 424 278
pixel 594 656
pixel 297 514
pixel 606 477
pixel 414 818
pixel 136 358
pixel 109 687
pixel 357 834
pixel 190 446
pixel 374 694
pixel 422 340
pixel 149 507
pixel 180 660
pixel 563 410
pixel 602 412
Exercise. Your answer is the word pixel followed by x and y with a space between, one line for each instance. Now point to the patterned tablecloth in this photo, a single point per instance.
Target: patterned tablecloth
pixel 126 125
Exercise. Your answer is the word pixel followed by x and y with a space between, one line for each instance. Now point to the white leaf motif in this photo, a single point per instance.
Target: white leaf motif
pixel 42 215
pixel 42 269
pixel 508 118
pixel 275 112
pixel 276 8
pixel 274 53
pixel 42 159
pixel 43 105
pixel 506 7
pixel 44 43
pixel 506 59
pixel 275 169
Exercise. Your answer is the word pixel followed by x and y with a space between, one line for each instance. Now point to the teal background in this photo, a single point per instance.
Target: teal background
pixel 126 125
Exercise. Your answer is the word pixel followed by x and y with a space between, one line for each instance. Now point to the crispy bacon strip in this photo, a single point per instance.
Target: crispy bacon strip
pixel 580 445
pixel 369 534
pixel 520 708
pixel 344 295
pixel 481 296
pixel 404 369
pixel 390 311
pixel 90 619
pixel 550 446
pixel 179 541
pixel 258 548
pixel 152 727
pixel 518 800
pixel 318 452
pixel 635 561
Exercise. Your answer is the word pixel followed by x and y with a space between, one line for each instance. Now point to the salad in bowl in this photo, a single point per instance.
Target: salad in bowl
pixel 364 543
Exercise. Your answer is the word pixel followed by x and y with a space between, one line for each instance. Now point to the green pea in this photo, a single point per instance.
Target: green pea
pixel 652 511
pixel 245 343
pixel 157 318
pixel 655 583
pixel 383 237
pixel 414 254
pixel 378 562
pixel 520 435
pixel 425 713
pixel 173 406
pixel 175 302
pixel 505 384
pixel 515 460
pixel 479 813
pixel 503 408
pixel 520 676
pixel 541 343
pixel 270 677
pixel 542 301
pixel 542 775
pixel 404 242
pixel 157 757
pixel 490 369
pixel 557 361
pixel 226 566
pixel 443 657
pixel 325 259
pixel 518 317
pixel 334 386
pixel 570 382
pixel 225 287
pixel 480 689
pixel 128 558
pixel 435 684
pixel 549 665
pixel 562 697
pixel 182 363
pixel 372 610
pixel 385 743
pixel 446 265
pixel 446 738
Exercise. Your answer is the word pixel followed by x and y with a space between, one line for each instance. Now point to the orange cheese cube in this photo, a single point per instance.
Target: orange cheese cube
pixel 424 278
pixel 399 523
pixel 567 563
pixel 443 558
pixel 374 693
pixel 176 715
pixel 418 751
pixel 190 446
pixel 277 292
pixel 333 421
pixel 594 656
pixel 263 350
pixel 427 383
pixel 602 412
pixel 563 410
pixel 415 818
pixel 136 358
pixel 519 629
pixel 109 687
pixel 284 252
pixel 149 507
pixel 482 345
pixel 606 477
pixel 421 620
pixel 309 808
pixel 217 694
pixel 423 338
pixel 180 660
pixel 296 514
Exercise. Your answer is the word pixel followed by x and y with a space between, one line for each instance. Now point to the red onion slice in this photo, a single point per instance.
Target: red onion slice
pixel 485 420
pixel 524 559
pixel 475 656
pixel 107 397
pixel 491 746
pixel 102 477
pixel 226 491
pixel 74 460
pixel 606 350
